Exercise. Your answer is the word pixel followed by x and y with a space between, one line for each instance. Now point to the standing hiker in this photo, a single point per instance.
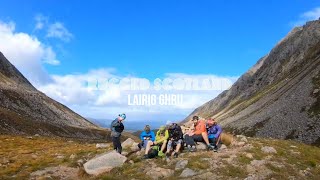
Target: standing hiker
pixel 116 129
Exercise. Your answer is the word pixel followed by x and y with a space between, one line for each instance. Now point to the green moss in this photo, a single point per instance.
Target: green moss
pixel 242 159
pixel 232 171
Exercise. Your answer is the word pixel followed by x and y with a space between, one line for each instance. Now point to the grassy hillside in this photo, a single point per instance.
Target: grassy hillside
pixel 63 158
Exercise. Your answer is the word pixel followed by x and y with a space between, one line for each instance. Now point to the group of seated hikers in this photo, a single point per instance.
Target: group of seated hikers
pixel 170 139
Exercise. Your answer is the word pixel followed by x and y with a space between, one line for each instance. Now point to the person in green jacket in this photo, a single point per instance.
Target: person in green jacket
pixel 162 136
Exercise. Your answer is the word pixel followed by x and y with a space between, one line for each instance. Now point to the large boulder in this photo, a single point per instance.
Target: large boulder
pixel 104 163
pixel 127 143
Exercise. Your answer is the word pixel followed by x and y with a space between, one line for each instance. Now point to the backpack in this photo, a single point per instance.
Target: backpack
pixel 153 152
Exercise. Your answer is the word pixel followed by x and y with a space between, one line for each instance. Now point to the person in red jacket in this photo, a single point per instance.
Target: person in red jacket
pixel 199 134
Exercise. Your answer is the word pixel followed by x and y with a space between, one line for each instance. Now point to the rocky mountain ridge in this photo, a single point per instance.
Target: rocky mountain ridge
pixel 279 96
pixel 25 110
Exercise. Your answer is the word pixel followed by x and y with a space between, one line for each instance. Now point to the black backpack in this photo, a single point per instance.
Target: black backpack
pixel 153 152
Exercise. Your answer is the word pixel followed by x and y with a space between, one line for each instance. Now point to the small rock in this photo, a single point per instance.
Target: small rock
pixel 181 164
pixel 124 153
pixel 72 156
pixel 293 146
pixel 268 157
pixel 241 143
pixel 316 91
pixel 5 161
pixel 268 150
pixel 207 175
pixel 248 146
pixel 305 173
pixel 187 173
pixel 240 136
pixel 29 137
pixel 257 163
pixel 249 155
pixel 295 152
pixel 278 165
pixel 127 143
pixel 201 146
pixel 34 156
pixel 36 135
pixel 131 162
pixel 160 173
pixel 80 162
pixel 102 145
pixel 244 139
pixel 223 147
pixel 60 157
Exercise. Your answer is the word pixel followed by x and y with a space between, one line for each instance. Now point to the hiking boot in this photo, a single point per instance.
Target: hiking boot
pixel 145 156
pixel 193 149
pixel 189 148
pixel 215 149
pixel 210 147
pixel 175 155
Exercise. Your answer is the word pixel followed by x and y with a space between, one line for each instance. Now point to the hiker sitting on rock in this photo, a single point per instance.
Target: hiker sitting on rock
pixel 162 136
pixel 175 139
pixel 145 136
pixel 116 129
pixel 199 134
pixel 214 132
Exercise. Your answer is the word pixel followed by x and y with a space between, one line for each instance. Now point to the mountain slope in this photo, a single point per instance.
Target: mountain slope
pixel 279 96
pixel 25 110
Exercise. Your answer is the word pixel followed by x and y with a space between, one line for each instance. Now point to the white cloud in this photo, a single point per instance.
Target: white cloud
pixel 41 21
pixel 27 53
pixel 58 30
pixel 53 30
pixel 313 14
pixel 109 99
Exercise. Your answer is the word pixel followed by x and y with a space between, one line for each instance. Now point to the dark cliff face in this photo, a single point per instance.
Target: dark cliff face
pixel 278 97
pixel 25 110
pixel 10 73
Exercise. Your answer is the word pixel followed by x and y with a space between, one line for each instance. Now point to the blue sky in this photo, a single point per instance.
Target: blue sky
pixel 148 39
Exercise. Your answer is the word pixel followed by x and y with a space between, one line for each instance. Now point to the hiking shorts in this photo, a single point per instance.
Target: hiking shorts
pixel 172 143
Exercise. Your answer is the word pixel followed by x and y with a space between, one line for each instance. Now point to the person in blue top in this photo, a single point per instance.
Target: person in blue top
pixel 145 136
pixel 116 129
pixel 214 132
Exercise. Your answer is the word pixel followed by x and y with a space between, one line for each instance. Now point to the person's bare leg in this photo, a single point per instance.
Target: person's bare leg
pixel 163 145
pixel 178 148
pixel 205 138
pixel 150 143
